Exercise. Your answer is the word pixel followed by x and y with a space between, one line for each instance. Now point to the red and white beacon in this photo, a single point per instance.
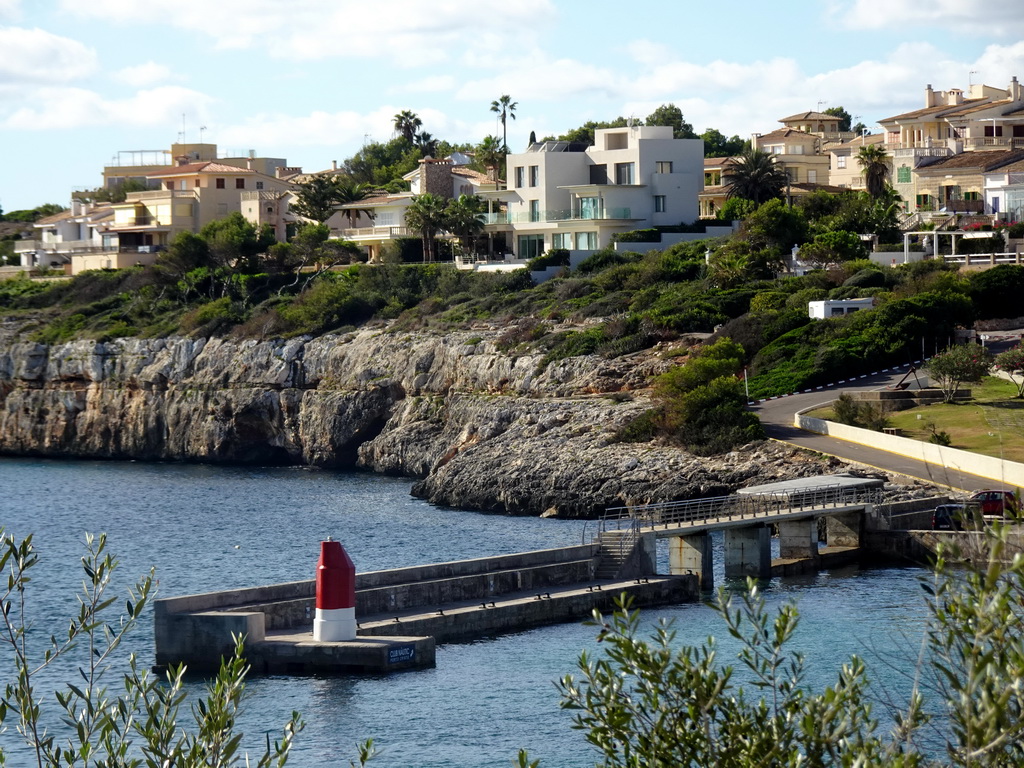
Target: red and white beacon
pixel 335 619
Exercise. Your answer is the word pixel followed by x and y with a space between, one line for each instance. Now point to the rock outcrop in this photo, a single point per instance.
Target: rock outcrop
pixel 481 428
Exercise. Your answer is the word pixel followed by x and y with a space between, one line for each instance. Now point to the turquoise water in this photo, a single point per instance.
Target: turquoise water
pixel 208 528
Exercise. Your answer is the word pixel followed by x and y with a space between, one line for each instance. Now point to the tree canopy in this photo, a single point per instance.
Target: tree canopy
pixel 755 175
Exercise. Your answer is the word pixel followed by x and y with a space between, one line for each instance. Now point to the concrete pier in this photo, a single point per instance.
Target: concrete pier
pixel 748 552
pixel 403 613
pixel 798 538
pixel 692 555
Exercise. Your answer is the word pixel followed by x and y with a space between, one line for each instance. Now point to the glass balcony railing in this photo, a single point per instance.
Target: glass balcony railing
pixel 542 217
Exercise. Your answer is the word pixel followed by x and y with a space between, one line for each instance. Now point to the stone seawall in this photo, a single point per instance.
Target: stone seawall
pixel 481 428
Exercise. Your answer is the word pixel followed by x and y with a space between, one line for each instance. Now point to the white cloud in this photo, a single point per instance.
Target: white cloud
pixel 34 56
pixel 10 10
pixel 400 32
pixel 71 108
pixel 995 18
pixel 434 84
pixel 145 74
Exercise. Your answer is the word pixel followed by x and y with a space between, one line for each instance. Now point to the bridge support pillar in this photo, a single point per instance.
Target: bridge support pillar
pixel 844 530
pixel 748 552
pixel 692 554
pixel 798 539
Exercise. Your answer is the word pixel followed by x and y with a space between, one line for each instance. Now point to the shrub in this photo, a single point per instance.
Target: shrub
pixel 556 257
pixel 638 236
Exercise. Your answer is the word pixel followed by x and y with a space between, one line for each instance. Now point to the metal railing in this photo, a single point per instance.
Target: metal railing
pixel 737 506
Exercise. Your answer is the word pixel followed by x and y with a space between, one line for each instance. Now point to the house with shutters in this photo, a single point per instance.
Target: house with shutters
pixel 187 197
pixel 953 122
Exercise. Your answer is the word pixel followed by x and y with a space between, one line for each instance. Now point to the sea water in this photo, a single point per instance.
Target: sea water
pixel 208 528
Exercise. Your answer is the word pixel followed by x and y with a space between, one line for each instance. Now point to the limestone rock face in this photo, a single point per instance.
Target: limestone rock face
pixel 481 428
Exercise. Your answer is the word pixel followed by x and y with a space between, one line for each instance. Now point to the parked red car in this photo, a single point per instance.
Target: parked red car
pixel 998 503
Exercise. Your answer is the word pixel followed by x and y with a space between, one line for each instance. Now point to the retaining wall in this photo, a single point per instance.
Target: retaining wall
pixel 1000 471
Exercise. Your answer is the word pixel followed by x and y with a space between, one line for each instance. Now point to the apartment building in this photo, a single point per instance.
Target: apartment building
pixel 952 122
pixel 565 195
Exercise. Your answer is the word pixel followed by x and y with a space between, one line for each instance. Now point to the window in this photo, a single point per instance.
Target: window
pixel 239 183
pixel 196 185
pixel 903 174
pixel 220 184
pixel 259 185
pixel 659 203
pixel 624 173
pixel 590 208
pixel 993 130
pixel 586 241
pixel 663 166
pixel 599 174
pixel 519 177
pixel 797 149
pixel 840 161
pixel 530 246
pixel 270 209
pixel 534 175
pixel 812 176
pixel 168 185
pixel 535 210
pixel 561 240
pixel 923 201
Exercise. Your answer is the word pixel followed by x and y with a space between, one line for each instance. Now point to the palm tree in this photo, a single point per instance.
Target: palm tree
pixel 491 153
pixel 348 192
pixel 427 144
pixel 464 219
pixel 755 175
pixel 506 108
pixel 874 163
pixel 407 124
pixel 427 215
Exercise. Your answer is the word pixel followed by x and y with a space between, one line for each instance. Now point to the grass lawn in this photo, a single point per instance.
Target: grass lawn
pixel 992 423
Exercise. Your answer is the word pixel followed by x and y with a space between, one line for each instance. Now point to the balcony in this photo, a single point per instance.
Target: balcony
pixel 543 217
pixel 383 233
pixel 908 152
pixel 157 194
pixel 995 142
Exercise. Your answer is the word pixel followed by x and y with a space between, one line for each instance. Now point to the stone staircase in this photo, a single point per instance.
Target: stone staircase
pixel 616 548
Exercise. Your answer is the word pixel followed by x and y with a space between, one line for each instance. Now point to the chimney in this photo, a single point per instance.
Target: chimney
pixel 181 160
pixel 1014 89
pixel 248 164
pixel 334 165
pixel 929 96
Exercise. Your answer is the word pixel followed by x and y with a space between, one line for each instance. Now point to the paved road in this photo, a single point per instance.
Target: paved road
pixel 777 417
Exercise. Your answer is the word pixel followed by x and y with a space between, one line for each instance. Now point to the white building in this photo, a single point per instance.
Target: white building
pixel 819 310
pixel 568 196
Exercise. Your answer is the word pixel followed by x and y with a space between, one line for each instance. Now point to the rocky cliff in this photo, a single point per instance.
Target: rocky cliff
pixel 481 429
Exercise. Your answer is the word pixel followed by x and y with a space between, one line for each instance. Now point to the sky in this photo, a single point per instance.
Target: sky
pixel 312 80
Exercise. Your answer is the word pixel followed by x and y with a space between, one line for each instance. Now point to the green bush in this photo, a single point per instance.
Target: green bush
pixel 556 257
pixel 638 236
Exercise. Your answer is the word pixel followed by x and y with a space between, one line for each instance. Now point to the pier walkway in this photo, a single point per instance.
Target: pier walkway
pixel 402 613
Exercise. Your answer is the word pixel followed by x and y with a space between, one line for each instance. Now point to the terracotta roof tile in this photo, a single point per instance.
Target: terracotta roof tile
pixel 782 133
pixel 193 168
pixel 469 173
pixel 935 111
pixel 967 109
pixel 874 138
pixel 983 159
pixel 808 116
pixel 54 218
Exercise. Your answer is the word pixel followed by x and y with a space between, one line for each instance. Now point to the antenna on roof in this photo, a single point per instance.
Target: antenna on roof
pixel 201 129
pixel 820 102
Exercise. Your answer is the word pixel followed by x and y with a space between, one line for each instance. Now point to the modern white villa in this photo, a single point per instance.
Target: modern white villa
pixel 576 197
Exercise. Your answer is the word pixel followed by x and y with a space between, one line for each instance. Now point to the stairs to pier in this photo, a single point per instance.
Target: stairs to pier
pixel 616 546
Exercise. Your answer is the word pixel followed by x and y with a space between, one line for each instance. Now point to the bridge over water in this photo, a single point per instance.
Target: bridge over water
pixel 627 534
pixel 402 613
